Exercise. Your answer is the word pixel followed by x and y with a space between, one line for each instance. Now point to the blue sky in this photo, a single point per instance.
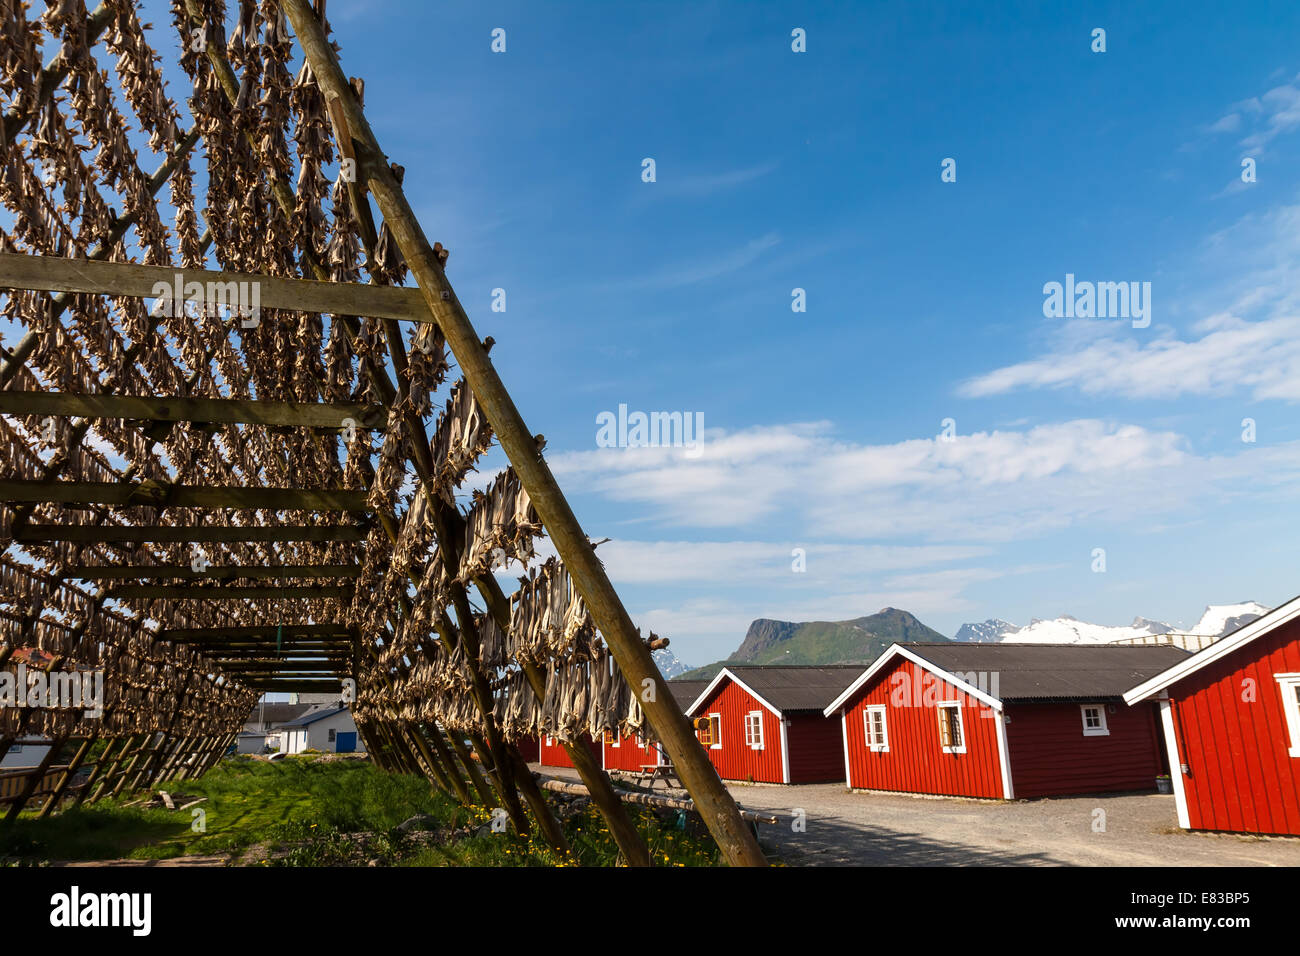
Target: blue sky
pixel 820 170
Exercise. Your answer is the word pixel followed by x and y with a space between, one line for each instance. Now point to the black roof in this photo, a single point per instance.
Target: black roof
pixel 793 687
pixel 685 691
pixel 1052 671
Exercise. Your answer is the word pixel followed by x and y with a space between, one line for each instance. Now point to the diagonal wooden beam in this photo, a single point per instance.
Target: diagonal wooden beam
pixel 131 280
pixel 173 534
pixel 219 411
pixel 130 494
pixel 213 573
pixel 717 806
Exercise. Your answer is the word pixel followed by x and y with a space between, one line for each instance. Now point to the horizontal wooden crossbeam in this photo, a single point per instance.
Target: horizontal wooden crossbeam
pixel 220 411
pixel 129 494
pixel 285 631
pixel 53 274
pixel 280 667
pixel 198 534
pixel 213 572
pixel 191 593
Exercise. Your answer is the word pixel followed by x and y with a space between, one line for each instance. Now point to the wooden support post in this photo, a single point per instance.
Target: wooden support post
pixel 34 780
pixel 434 736
pixel 621 827
pixel 67 776
pixel 101 765
pixel 716 805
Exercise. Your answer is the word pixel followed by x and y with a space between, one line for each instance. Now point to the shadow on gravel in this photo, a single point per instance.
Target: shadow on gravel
pixel 829 843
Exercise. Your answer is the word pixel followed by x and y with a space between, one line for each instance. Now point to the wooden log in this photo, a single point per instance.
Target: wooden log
pixel 645 799
pixel 213 573
pixel 178 534
pixel 227 593
pixel 717 807
pixel 322 629
pixel 130 494
pixel 217 411
pixel 134 281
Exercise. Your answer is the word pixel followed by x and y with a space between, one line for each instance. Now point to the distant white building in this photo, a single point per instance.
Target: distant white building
pixel 328 728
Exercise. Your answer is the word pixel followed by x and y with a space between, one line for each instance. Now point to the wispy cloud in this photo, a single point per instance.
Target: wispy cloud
pixel 701 185
pixel 695 271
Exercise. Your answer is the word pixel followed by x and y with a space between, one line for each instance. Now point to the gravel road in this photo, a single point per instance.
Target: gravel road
pixel 856 829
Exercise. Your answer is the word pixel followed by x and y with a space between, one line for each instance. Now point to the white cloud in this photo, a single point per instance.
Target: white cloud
pixel 984 487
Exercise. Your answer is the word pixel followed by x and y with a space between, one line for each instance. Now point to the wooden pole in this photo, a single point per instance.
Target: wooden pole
pixel 718 809
pixel 67 776
pixel 33 781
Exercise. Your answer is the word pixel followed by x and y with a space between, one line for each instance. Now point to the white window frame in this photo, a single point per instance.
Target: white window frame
pixel 961 725
pixel 640 742
pixel 1103 730
pixel 868 731
pixel 617 740
pixel 754 719
pixel 1287 684
pixel 550 741
pixel 717 744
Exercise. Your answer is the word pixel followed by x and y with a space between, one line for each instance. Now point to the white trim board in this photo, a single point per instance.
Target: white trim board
pixel 900 650
pixel 1175 765
pixel 718 679
pixel 1282 614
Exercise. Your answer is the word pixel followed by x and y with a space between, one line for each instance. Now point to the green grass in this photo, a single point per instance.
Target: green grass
pixel 316 813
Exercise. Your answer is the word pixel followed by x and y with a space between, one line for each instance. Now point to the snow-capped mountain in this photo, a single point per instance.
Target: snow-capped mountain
pixel 1216 621
pixel 668 663
pixel 1220 619
pixel 985 632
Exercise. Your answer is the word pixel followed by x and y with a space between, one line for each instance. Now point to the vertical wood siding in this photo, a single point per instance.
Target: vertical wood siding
pixel 1241 775
pixel 628 756
pixel 816 748
pixel 1050 756
pixel 553 755
pixel 734 760
pixel 915 761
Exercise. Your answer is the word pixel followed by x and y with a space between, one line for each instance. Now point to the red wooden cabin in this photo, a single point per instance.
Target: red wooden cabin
pixel 765 724
pixel 1230 715
pixel 639 751
pixel 551 752
pixel 1002 720
pixel 528 749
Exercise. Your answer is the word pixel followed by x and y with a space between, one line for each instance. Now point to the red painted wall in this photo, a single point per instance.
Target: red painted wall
pixel 628 756
pixel 1241 776
pixel 733 759
pixel 528 749
pixel 915 761
pixel 553 755
pixel 815 747
pixel 1050 756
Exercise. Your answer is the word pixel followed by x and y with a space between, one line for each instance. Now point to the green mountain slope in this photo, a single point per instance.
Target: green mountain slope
pixel 859 641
